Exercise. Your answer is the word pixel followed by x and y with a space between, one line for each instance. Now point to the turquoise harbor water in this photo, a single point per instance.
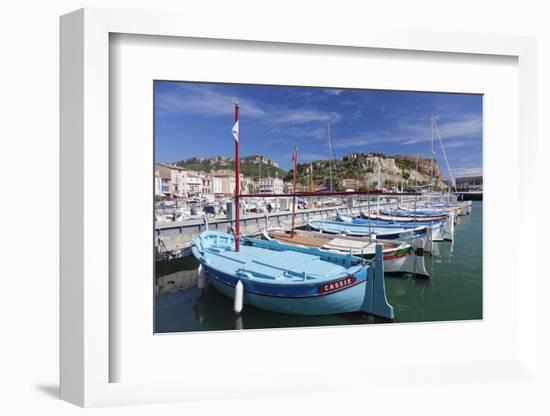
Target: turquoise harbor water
pixel 453 292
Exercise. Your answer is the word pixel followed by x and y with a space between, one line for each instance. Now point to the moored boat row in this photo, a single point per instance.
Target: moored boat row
pixel 337 266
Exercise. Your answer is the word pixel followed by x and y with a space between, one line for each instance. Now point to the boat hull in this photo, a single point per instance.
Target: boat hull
pixel 397 219
pixel 291 279
pixel 411 262
pixel 408 261
pixel 438 227
pixel 349 299
pixel 398 257
pixel 358 230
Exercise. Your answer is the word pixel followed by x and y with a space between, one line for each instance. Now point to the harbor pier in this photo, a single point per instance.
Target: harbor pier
pixel 180 235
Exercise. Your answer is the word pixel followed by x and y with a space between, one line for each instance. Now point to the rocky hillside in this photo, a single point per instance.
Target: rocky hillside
pixel 250 166
pixel 364 168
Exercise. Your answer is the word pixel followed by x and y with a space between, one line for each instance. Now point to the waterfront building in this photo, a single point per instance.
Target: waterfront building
pixel 166 187
pixel 270 185
pixel 223 182
pixel 206 183
pixel 177 182
pixel 469 183
pixel 193 183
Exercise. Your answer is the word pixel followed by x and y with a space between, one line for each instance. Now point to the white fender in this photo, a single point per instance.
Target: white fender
pixel 201 277
pixel 239 297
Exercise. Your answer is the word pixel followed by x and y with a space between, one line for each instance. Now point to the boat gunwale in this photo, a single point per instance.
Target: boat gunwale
pixel 388 245
pixel 287 277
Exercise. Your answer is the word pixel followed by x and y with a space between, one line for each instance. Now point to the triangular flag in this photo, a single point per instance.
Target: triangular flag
pixel 294 154
pixel 235 131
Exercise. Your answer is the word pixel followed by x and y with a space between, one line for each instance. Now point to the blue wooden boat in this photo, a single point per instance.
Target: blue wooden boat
pixel 399 256
pixel 388 232
pixel 459 208
pixel 438 227
pixel 292 279
pixel 387 223
pixel 398 219
pixel 418 213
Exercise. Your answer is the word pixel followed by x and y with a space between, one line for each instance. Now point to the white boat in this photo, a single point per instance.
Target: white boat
pixel 399 256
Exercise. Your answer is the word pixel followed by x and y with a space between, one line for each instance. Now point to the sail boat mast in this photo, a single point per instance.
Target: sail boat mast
pixel 310 176
pixel 237 184
pixel 295 160
pixel 259 171
pixel 444 155
pixel 417 172
pixel 432 151
pixel 329 157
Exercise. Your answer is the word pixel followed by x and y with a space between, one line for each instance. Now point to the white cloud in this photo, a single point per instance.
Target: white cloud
pixel 465 126
pixel 205 100
pixel 362 140
pixel 456 143
pixel 454 133
pixel 285 131
pixel 196 99
pixel 299 116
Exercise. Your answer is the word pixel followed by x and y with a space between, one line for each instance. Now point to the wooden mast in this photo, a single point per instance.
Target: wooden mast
pixel 237 185
pixel 329 157
pixel 432 152
pixel 295 160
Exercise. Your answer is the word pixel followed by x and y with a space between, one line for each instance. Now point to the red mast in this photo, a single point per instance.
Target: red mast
pixel 295 160
pixel 237 186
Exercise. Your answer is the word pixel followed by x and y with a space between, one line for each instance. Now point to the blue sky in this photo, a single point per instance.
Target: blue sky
pixel 195 119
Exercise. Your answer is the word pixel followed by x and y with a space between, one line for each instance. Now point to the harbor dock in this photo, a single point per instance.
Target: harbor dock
pixel 180 235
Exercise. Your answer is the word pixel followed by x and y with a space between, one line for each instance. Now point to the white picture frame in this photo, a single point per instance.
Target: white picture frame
pixel 86 355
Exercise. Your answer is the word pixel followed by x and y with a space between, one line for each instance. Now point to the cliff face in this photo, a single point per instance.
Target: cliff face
pixel 367 169
pixel 397 169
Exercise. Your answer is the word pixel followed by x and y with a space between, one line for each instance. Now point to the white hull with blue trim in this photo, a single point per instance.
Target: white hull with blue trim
pixel 388 232
pixel 438 227
pixel 399 256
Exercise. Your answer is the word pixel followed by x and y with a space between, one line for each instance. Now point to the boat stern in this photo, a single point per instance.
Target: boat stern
pixel 375 301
